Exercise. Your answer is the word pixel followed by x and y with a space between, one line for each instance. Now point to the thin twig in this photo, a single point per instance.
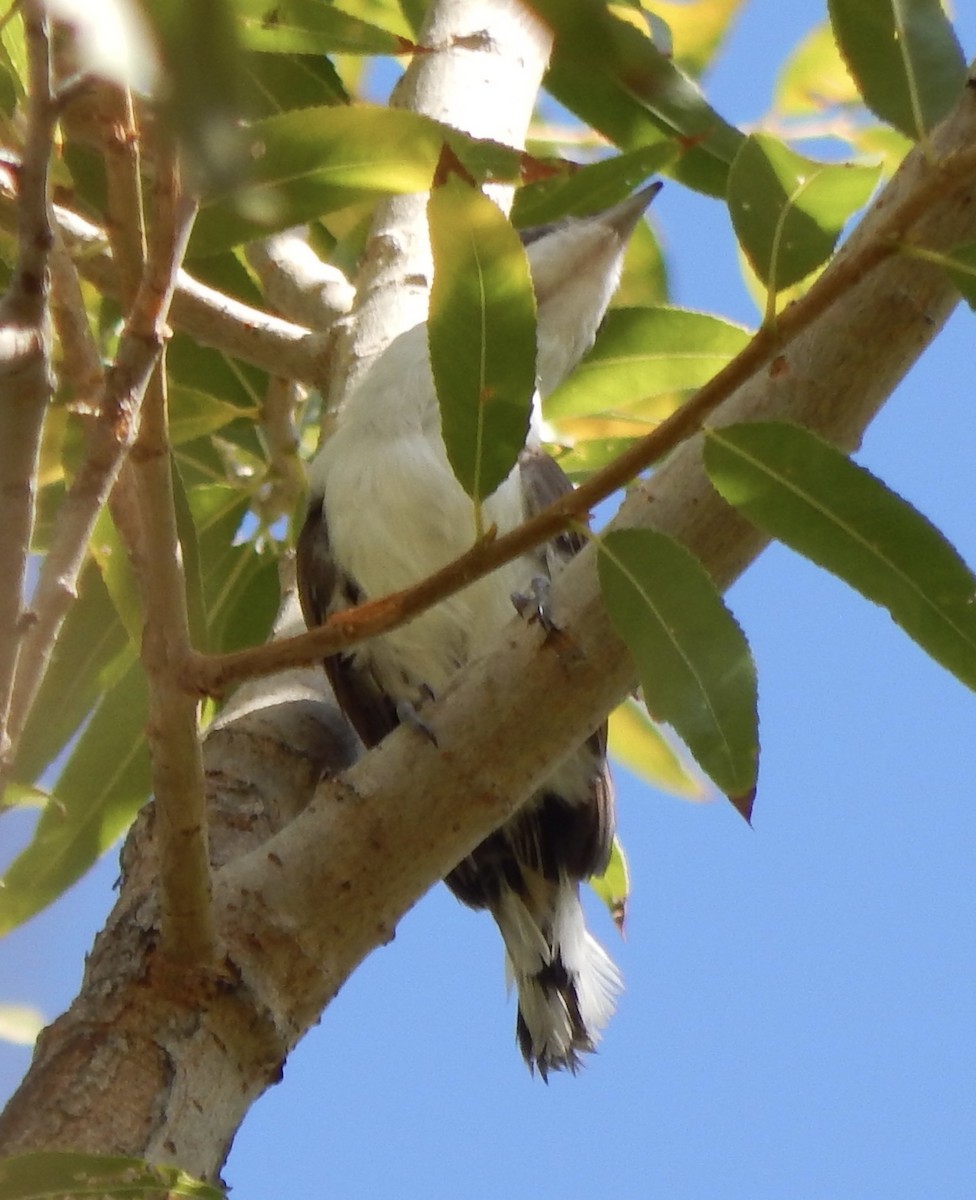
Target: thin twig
pixel 254 336
pixel 188 935
pixel 212 675
pixel 25 358
pixel 286 475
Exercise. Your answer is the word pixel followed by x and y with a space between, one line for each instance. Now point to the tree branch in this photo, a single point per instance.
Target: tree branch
pixel 177 771
pixel 216 320
pixel 25 357
pixel 895 226
pixel 419 808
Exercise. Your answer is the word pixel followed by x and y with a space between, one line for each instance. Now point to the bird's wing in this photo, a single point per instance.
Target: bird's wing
pixel 324 589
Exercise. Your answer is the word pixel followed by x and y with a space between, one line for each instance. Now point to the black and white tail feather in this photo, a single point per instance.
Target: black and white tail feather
pixel 386 511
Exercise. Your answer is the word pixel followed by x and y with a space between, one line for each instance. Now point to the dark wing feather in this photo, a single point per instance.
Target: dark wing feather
pixel 552 836
pixel 323 589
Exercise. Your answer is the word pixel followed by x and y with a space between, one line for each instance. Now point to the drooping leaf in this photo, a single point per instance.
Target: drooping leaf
pixel 638 744
pixel 103 785
pixel 609 72
pixel 905 57
pixel 481 335
pixel 805 492
pixel 695 667
pixel 644 352
pixel 53 1174
pixel 613 886
pixel 788 210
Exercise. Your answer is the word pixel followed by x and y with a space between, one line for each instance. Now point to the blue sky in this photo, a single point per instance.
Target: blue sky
pixel 798 1019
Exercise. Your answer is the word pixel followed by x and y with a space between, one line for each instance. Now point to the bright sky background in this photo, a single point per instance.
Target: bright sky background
pixel 799 1014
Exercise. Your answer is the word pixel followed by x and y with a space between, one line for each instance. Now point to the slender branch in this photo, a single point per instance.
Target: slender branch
pixel 286 475
pixel 25 357
pixel 125 215
pixel 188 937
pixel 213 675
pixel 298 283
pixel 250 334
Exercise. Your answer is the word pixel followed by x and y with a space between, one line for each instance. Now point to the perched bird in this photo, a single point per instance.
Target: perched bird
pixel 385 511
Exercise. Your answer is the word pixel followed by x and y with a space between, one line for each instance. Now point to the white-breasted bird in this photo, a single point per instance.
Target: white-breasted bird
pixel 385 511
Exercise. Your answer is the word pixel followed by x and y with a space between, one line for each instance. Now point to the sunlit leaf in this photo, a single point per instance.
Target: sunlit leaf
pixel 54 1174
pixel 639 745
pixel 698 29
pixel 311 27
pixel 803 491
pixel 644 352
pixel 481 334
pixel 613 886
pixel 814 77
pixel 307 163
pixel 905 57
pixel 694 664
pixel 788 210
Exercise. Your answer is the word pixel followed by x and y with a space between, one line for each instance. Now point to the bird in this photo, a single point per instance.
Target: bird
pixel 385 510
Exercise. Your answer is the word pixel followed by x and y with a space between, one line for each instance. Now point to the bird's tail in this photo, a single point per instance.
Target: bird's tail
pixel 567 984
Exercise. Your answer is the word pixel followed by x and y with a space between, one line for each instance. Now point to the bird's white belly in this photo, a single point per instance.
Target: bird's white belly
pixel 395 517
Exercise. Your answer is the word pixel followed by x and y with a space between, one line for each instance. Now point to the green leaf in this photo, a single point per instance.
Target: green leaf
pixel 103 785
pixel 905 57
pixel 698 29
pixel 639 745
pixel 311 27
pixel 694 663
pixel 591 188
pixel 788 210
pixel 613 886
pixel 803 491
pixel 645 352
pixel 195 413
pixel 52 1174
pixel 481 334
pixel 961 268
pixel 609 73
pixel 115 566
pixel 277 83
pixel 315 161
pixel 93 650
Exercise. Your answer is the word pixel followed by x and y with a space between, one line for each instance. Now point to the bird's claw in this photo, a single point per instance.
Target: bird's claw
pixel 535 605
